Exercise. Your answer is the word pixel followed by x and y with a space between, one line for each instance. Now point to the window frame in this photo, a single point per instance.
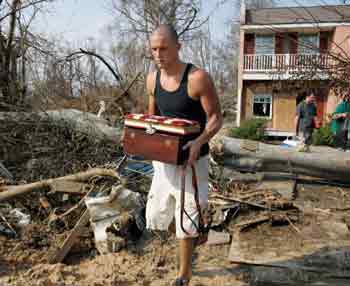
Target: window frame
pixel 315 50
pixel 262 95
pixel 273 43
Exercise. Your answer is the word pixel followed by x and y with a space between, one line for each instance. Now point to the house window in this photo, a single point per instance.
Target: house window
pixel 262 105
pixel 308 43
pixel 287 44
pixel 264 44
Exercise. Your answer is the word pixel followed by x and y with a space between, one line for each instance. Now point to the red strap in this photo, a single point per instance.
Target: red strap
pixel 196 198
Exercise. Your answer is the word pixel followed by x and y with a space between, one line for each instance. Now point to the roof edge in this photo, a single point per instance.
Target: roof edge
pixel 298 7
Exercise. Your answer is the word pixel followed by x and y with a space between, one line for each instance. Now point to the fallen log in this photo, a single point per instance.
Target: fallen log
pixel 9 192
pixel 83 122
pixel 322 162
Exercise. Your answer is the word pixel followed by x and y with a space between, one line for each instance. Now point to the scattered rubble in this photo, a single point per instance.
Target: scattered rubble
pixel 86 226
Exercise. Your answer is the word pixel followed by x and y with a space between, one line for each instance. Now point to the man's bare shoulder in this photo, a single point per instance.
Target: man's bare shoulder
pixel 198 74
pixel 200 82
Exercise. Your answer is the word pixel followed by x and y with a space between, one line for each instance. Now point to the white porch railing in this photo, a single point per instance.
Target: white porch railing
pixel 285 62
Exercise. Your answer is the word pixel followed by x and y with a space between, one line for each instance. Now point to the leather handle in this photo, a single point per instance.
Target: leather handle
pixel 196 198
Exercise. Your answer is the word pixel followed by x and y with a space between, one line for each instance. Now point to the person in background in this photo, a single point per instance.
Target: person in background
pixel 305 121
pixel 340 123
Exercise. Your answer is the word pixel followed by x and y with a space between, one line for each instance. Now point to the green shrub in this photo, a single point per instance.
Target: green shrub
pixel 252 129
pixel 323 136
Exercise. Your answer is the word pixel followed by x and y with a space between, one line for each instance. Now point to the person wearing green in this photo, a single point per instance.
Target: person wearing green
pixel 340 123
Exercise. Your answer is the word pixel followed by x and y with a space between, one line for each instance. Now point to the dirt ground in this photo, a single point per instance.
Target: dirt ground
pixel 153 261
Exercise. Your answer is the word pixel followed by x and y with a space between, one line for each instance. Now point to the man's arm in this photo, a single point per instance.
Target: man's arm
pixel 297 119
pixel 315 118
pixel 201 87
pixel 296 124
pixel 150 85
pixel 340 112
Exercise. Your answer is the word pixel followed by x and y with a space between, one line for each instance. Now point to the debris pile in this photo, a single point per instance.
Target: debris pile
pixel 57 215
pixel 34 146
pixel 78 215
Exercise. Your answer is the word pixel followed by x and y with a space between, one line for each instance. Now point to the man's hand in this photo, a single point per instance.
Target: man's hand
pixel 340 115
pixel 122 137
pixel 345 115
pixel 195 149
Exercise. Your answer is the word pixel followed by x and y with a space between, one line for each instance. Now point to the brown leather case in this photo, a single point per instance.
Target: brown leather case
pixel 160 146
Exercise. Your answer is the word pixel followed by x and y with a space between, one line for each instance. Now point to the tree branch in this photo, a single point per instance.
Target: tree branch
pixel 21 8
pixel 190 22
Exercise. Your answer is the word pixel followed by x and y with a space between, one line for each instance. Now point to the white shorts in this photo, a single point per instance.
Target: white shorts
pixel 164 197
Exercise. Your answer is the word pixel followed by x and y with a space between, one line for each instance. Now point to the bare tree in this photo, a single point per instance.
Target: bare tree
pixel 143 16
pixel 14 42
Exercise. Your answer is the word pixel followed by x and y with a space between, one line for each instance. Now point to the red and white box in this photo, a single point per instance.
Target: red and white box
pixel 158 138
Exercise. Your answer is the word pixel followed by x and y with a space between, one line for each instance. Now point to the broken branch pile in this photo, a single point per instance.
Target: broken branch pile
pixel 55 143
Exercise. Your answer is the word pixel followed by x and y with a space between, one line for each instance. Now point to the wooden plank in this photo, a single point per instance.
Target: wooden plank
pixel 216 238
pixel 69 241
pixel 284 187
pixel 247 223
pixel 232 199
pixel 68 187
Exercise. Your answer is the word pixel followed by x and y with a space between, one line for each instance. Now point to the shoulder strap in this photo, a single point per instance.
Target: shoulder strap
pixel 186 72
pixel 157 83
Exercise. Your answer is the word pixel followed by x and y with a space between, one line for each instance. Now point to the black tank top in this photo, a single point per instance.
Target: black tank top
pixel 180 105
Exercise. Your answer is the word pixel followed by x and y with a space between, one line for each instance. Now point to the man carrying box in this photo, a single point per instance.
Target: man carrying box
pixel 183 91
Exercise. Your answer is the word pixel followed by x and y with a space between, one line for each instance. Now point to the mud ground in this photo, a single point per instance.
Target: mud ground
pixel 153 261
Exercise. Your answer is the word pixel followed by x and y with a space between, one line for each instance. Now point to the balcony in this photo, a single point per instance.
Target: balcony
pixel 285 66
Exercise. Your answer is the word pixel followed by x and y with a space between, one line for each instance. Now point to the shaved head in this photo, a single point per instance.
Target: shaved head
pixel 167 29
pixel 165 46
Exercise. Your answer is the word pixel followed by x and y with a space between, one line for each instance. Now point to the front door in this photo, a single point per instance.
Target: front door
pixel 321 97
pixel 284 109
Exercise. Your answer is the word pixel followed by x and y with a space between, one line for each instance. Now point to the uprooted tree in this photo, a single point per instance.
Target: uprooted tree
pixel 254 156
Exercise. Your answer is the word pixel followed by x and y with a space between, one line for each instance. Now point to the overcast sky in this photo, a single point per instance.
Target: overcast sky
pixel 77 20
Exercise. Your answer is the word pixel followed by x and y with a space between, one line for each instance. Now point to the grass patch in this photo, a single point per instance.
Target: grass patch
pixel 253 129
pixel 323 136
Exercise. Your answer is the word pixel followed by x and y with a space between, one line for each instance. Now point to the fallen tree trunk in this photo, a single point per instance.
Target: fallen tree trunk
pixel 322 162
pixel 9 192
pixel 83 122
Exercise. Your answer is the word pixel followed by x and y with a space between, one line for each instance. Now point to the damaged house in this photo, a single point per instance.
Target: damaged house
pixel 279 50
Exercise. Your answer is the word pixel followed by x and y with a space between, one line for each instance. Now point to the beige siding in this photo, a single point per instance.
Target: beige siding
pixel 340 42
